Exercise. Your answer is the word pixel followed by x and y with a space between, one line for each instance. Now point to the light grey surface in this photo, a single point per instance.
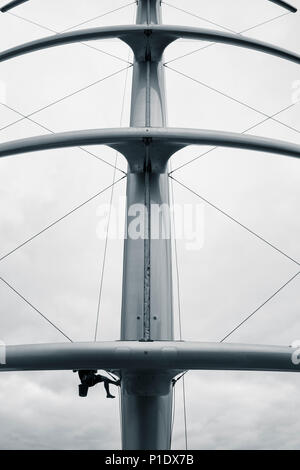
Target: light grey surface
pixel 132 141
pixel 158 37
pixel 260 191
pixel 170 356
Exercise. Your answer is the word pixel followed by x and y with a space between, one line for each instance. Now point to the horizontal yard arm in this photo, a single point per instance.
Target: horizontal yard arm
pixel 11 5
pixel 138 38
pixel 157 355
pixel 164 142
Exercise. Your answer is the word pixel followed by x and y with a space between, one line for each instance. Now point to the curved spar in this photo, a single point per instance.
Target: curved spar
pixel 285 5
pixel 11 5
pixel 138 37
pixel 171 356
pixel 170 139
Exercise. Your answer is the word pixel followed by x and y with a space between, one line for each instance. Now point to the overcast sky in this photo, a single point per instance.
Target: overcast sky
pixel 233 273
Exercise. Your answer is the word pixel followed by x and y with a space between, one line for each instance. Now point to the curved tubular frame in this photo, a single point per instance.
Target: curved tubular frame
pixel 138 37
pixel 16 3
pixel 285 5
pixel 159 355
pixel 162 143
pixel 11 5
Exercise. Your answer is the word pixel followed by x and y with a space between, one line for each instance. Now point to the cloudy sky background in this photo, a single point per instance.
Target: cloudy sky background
pixel 59 272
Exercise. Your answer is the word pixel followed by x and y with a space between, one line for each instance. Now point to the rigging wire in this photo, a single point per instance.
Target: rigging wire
pixel 231 98
pixel 99 16
pixel 244 132
pixel 109 214
pixel 199 17
pixel 66 97
pixel 112 186
pixel 215 43
pixel 32 238
pixel 121 119
pixel 258 308
pixel 265 22
pixel 105 254
pixel 236 221
pixel 60 32
pixel 28 240
pixel 52 132
pixel 173 413
pixel 179 317
pixel 73 210
pixel 34 308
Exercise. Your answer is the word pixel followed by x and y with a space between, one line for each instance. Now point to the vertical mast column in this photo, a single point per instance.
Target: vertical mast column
pixel 147 312
pixel 147 276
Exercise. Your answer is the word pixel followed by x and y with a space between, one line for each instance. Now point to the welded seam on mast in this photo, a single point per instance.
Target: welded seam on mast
pixel 147 200
pixel 147 252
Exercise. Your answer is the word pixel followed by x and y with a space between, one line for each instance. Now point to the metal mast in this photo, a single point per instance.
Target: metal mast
pixel 147 357
pixel 147 313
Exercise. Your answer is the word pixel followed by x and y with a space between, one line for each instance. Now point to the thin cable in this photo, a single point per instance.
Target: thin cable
pixel 33 22
pixel 232 99
pixel 179 313
pixel 193 160
pixel 34 308
pixel 52 132
pixel 265 22
pixel 257 309
pixel 176 260
pixel 190 53
pixel 82 43
pixel 237 222
pixel 173 414
pixel 99 16
pixel 247 130
pixel 66 97
pixel 199 17
pixel 58 220
pixel 184 413
pixel 104 261
pixel 215 43
pixel 109 218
